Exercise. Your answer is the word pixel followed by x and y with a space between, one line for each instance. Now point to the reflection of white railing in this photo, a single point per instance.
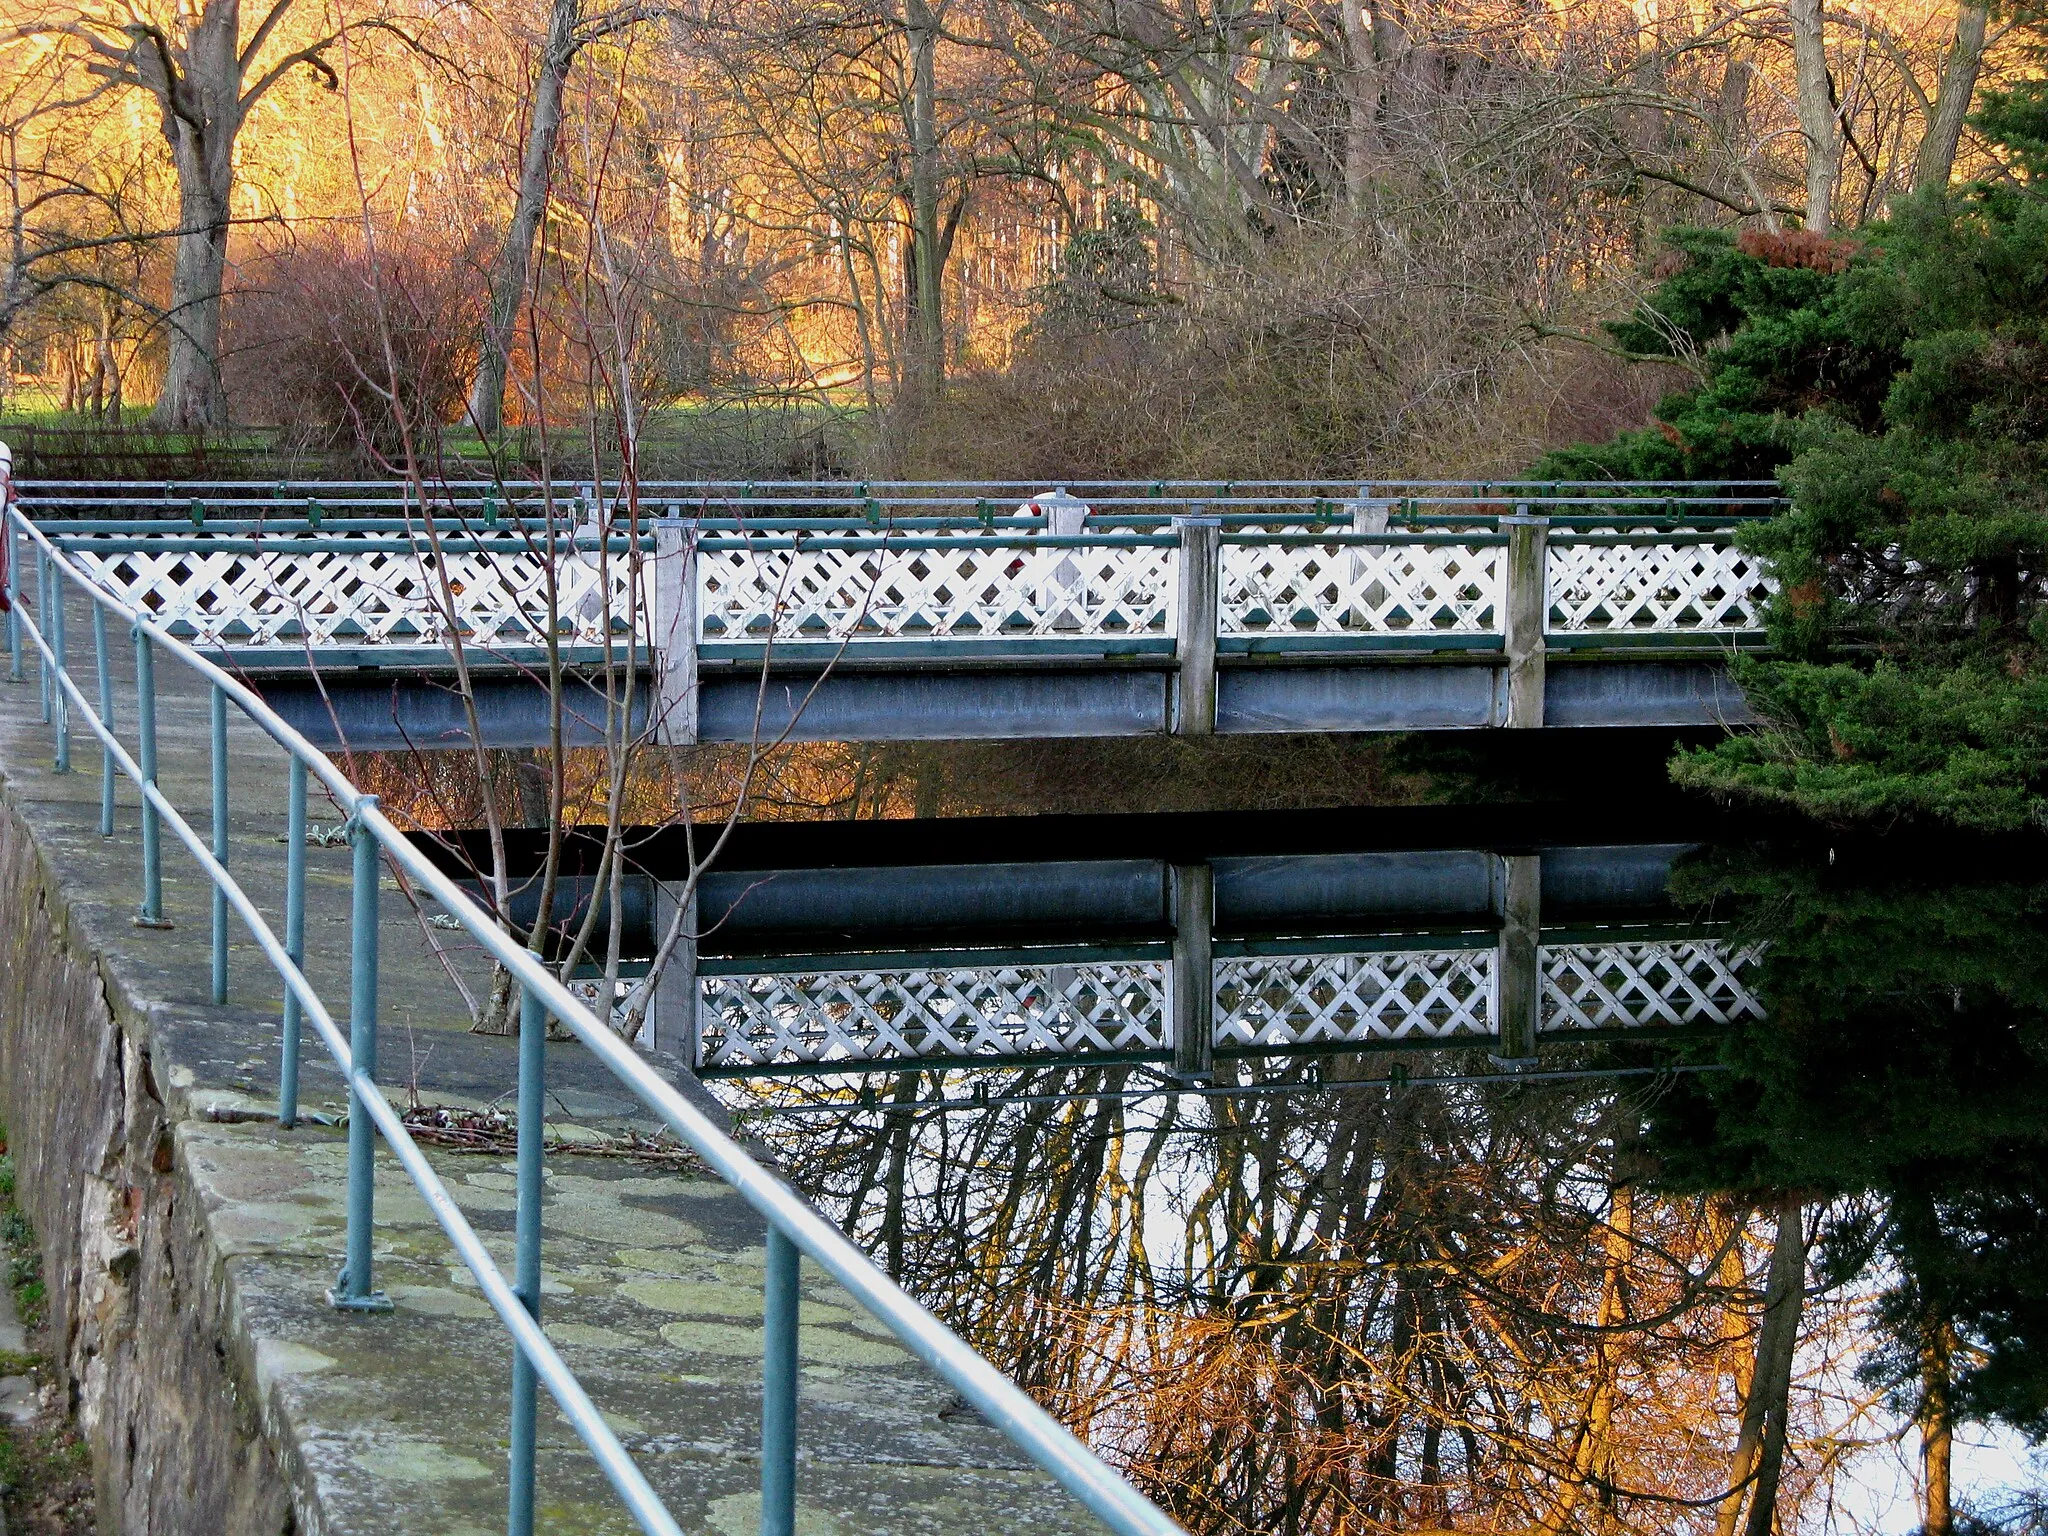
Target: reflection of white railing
pixel 1337 999
pixel 1299 588
pixel 985 591
pixel 1666 587
pixel 1607 986
pixel 825 1017
pixel 1276 1001
pixel 239 596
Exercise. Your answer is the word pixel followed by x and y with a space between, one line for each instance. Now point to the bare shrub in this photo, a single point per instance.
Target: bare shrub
pixel 1321 361
pixel 354 351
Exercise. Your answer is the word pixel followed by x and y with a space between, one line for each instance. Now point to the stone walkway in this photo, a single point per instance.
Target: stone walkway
pixel 392 1423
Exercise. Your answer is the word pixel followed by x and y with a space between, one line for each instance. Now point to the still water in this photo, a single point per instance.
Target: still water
pixel 1575 1159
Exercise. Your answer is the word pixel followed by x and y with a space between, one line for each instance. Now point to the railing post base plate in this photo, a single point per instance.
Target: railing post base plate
pixel 341 1301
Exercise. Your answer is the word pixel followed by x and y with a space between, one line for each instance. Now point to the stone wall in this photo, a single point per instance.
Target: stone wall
pixel 140 1307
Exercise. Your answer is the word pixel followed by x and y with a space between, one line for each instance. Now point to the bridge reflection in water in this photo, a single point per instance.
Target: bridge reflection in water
pixel 1191 964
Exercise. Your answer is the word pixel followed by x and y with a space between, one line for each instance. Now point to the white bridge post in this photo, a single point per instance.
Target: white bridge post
pixel 1201 559
pixel 672 606
pixel 1517 968
pixel 1527 603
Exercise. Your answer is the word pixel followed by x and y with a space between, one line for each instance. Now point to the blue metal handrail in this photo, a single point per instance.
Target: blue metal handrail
pixel 794 1228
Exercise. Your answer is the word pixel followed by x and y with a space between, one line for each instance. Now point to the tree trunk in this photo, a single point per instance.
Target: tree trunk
pixel 1936 161
pixel 1361 111
pixel 202 114
pixel 515 257
pixel 923 290
pixel 1937 1431
pixel 1817 120
pixel 1760 1446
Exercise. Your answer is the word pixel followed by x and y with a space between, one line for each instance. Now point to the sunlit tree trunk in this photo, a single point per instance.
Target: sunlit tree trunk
pixel 1817 119
pixel 1760 1445
pixel 1937 1431
pixel 202 109
pixel 1361 109
pixel 923 290
pixel 1936 162
pixel 515 256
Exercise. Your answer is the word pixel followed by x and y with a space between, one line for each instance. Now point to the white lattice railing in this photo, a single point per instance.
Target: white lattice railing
pixel 1386 589
pixel 337 596
pixel 992 592
pixel 342 598
pixel 1658 588
pixel 1275 1001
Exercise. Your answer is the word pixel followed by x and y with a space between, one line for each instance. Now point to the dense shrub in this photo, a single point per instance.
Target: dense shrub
pixel 356 351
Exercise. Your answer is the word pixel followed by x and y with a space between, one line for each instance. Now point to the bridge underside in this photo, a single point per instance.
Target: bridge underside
pixel 417 704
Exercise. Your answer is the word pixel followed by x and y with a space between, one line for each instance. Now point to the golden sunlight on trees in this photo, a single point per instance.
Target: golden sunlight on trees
pixel 1141 236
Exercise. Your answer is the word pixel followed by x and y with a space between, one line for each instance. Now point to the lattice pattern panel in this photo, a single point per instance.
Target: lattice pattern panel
pixel 1658 588
pixel 1417 995
pixel 1331 589
pixel 993 593
pixel 841 1016
pixel 335 599
pixel 1613 986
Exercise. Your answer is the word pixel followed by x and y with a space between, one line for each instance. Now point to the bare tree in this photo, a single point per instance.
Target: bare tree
pixel 205 73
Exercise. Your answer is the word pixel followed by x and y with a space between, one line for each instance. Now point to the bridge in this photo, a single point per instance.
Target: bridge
pixel 708 612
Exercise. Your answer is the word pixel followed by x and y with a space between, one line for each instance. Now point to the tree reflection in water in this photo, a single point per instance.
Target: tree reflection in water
pixel 1607 1304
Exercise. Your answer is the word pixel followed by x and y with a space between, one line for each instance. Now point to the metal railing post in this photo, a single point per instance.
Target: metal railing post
pixel 103 656
pixel 13 600
pixel 1527 599
pixel 1195 616
pixel 533 1034
pixel 294 941
pixel 43 622
pixel 60 702
pixel 152 913
pixel 352 1291
pixel 217 723
pixel 778 1388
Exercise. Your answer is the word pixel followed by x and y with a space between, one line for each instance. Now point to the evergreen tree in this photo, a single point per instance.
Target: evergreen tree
pixel 1896 382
